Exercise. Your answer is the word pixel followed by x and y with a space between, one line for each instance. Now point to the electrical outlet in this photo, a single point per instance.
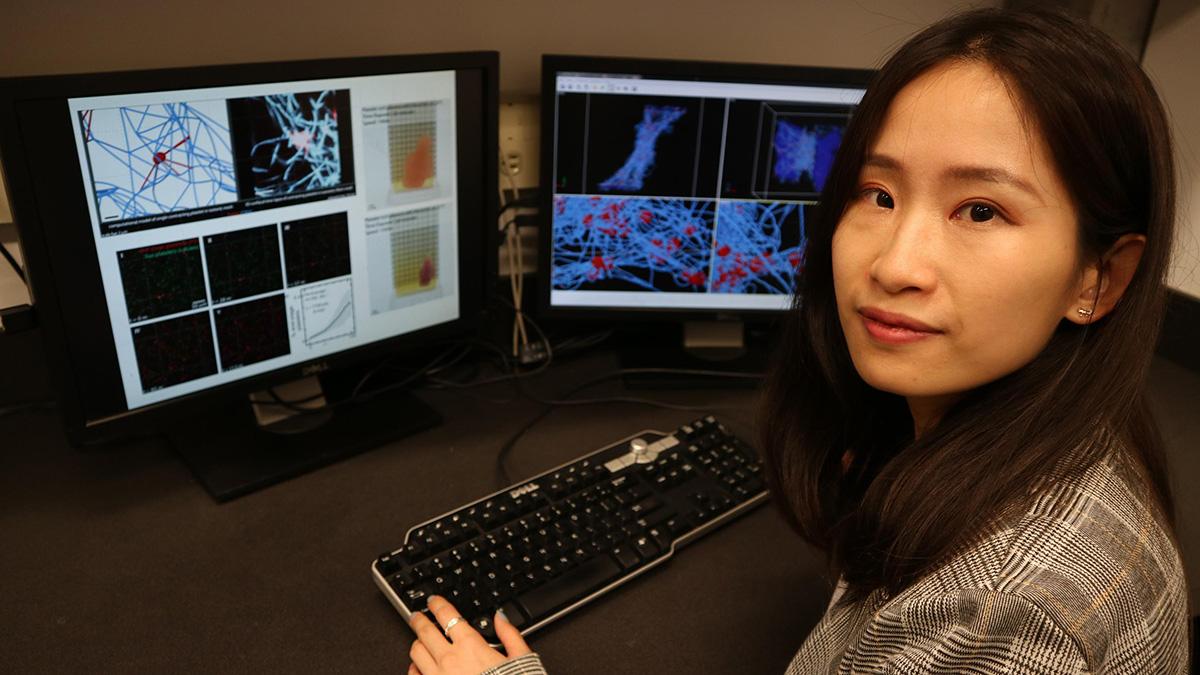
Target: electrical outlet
pixel 519 140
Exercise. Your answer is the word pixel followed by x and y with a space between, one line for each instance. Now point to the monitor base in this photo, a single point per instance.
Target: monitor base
pixel 231 455
pixel 727 347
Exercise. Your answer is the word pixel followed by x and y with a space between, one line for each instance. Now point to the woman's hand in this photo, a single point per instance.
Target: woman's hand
pixel 462 650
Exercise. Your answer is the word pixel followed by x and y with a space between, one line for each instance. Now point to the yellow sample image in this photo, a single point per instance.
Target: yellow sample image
pixel 412 146
pixel 414 259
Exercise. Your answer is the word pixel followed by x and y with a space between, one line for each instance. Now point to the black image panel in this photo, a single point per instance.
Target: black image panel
pixel 252 331
pixel 162 279
pixel 316 248
pixel 174 351
pixel 708 159
pixel 642 145
pixel 243 263
pixel 569 135
pixel 780 150
pixel 289 144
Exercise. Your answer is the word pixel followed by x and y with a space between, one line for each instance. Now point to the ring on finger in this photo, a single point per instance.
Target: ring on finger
pixel 451 624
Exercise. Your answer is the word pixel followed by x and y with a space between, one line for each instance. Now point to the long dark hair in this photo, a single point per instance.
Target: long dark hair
pixel 905 504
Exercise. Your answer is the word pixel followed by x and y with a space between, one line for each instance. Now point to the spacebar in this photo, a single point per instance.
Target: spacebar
pixel 578 582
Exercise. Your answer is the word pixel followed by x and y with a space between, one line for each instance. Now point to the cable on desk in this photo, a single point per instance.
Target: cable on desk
pixel 357 394
pixel 440 363
pixel 17 408
pixel 13 262
pixel 511 376
pixel 551 404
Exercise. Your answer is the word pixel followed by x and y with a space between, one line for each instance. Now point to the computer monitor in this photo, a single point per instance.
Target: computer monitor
pixel 196 234
pixel 680 189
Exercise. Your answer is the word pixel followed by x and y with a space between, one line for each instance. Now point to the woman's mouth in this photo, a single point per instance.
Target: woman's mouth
pixel 892 328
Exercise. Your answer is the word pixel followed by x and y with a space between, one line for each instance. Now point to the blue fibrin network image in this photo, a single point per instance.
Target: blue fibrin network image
pixel 631 243
pixel 302 150
pixel 805 149
pixel 656 121
pixel 759 247
pixel 156 159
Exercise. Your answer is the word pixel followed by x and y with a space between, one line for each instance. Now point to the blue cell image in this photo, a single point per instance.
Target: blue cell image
pixel 631 243
pixel 656 121
pixel 758 248
pixel 804 154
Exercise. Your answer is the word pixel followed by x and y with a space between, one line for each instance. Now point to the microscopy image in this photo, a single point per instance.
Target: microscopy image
pixel 800 156
pixel 759 246
pixel 173 351
pixel 162 279
pixel 780 151
pixel 316 248
pixel 243 263
pixel 292 143
pixel 156 159
pixel 656 120
pixel 642 145
pixel 251 331
pixel 635 244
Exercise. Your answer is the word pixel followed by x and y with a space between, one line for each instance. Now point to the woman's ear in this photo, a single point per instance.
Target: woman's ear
pixel 1104 282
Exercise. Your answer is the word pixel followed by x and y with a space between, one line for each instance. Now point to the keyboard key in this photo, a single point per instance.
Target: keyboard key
pixel 645 547
pixel 660 537
pixel 483 624
pixel 645 506
pixel 626 557
pixel 514 614
pixel 569 587
pixel 387 564
pixel 415 599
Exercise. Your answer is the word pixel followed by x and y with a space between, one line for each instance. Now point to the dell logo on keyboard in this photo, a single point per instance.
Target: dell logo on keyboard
pixel 523 490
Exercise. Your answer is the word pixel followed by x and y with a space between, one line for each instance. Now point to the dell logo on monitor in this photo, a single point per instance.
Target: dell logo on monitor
pixel 314 368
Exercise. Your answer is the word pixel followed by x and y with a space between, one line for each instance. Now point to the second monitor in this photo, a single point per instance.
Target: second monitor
pixel 683 187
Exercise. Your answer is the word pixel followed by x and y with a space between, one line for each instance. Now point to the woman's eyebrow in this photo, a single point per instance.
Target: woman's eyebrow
pixel 989 174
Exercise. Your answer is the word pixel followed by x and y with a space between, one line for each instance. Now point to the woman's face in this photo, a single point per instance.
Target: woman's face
pixel 958 257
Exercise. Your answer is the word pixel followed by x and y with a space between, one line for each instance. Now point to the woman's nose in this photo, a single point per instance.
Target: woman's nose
pixel 905 260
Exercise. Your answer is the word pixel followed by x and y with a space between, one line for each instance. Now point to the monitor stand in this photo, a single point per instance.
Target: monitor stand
pixel 726 346
pixel 243 448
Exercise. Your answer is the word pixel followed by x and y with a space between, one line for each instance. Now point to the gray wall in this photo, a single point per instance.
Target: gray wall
pixel 1172 59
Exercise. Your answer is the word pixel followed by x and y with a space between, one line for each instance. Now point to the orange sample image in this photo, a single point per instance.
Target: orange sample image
pixel 418 168
pixel 415 256
pixel 412 146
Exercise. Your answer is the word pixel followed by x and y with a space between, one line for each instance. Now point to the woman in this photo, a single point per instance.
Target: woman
pixel 958 415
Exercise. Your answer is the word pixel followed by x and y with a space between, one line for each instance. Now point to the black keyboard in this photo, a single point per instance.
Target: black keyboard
pixel 548 545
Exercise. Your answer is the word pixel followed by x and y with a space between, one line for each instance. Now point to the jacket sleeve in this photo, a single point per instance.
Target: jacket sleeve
pixel 530 664
pixel 972 630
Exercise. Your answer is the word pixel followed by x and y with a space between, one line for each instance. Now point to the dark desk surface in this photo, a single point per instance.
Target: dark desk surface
pixel 117 560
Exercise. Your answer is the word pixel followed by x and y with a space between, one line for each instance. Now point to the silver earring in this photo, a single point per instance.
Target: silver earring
pixel 1084 312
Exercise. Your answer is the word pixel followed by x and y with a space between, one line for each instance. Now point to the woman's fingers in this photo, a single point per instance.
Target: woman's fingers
pixel 510 637
pixel 413 670
pixel 430 636
pixel 422 660
pixel 462 632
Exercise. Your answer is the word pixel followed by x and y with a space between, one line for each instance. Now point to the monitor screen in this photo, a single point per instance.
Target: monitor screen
pixel 249 228
pixel 685 186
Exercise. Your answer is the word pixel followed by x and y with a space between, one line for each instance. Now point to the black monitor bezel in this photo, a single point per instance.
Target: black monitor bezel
pixel 53 268
pixel 555 64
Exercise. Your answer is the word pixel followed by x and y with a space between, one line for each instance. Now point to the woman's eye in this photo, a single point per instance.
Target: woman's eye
pixel 978 212
pixel 879 198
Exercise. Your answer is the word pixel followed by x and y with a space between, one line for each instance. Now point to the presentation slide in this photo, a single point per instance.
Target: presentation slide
pixel 243 229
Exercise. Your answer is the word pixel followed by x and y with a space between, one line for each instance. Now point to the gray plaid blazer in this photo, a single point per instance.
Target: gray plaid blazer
pixel 1086 580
